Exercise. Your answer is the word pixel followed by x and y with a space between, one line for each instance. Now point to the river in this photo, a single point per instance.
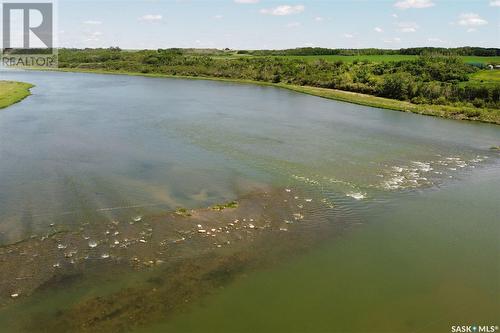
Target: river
pixel 353 219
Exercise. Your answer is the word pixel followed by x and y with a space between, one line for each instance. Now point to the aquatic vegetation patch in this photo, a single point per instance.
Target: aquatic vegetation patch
pixel 188 257
pixel 182 212
pixel 232 204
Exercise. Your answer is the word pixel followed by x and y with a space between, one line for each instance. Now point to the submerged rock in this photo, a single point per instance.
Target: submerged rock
pixel 356 195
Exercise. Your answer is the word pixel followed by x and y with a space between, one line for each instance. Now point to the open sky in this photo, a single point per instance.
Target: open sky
pixel 269 24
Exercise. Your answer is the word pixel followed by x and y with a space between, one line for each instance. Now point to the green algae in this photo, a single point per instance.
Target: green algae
pixel 182 212
pixel 232 204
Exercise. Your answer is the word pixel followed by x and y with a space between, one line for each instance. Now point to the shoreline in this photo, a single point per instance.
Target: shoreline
pixel 443 111
pixel 12 92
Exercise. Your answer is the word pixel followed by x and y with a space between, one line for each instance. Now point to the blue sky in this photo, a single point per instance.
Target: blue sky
pixel 269 24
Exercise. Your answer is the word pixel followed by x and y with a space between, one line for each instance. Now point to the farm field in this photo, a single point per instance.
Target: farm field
pixel 486 76
pixel 372 58
pixel 389 58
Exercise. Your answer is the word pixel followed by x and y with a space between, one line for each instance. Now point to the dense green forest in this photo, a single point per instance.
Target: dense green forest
pixel 428 79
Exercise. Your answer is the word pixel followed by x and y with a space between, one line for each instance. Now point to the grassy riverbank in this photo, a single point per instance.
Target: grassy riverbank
pixel 488 115
pixel 13 92
pixel 444 111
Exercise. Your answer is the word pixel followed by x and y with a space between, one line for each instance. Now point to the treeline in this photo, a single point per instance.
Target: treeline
pixel 309 51
pixel 426 80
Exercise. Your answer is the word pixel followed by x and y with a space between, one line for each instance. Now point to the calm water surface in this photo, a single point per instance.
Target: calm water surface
pixel 417 197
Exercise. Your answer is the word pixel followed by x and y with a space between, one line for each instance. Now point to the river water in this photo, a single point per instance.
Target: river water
pixel 364 220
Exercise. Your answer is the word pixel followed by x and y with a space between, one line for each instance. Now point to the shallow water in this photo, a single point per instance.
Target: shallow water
pixel 410 269
pixel 378 190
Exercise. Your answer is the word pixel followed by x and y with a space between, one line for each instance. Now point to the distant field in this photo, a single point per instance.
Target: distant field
pixel 484 60
pixel 383 58
pixel 486 76
pixel 375 58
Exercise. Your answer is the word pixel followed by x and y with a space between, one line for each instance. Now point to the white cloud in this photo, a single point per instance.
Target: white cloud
pixel 218 17
pixel 321 19
pixel 471 30
pixel 92 22
pixel 378 29
pixel 348 35
pixel 495 3
pixel 283 10
pixel 406 4
pixel 247 1
pixel 471 20
pixel 293 25
pixel 407 27
pixel 151 18
pixel 395 15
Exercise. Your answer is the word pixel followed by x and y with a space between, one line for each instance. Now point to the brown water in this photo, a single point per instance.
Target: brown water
pixel 347 218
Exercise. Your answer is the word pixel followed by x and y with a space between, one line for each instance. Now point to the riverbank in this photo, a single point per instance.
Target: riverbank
pixel 13 92
pixel 486 115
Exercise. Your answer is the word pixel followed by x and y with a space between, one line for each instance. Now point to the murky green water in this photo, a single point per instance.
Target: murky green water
pixel 400 228
pixel 416 267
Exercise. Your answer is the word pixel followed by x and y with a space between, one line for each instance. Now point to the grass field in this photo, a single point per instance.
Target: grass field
pixel 372 58
pixel 13 92
pixel 385 58
pixel 486 76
